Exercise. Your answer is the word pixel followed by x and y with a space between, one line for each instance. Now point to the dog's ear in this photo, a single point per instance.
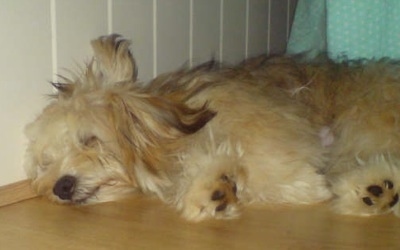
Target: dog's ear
pixel 178 117
pixel 145 124
pixel 114 60
pixel 64 90
pixel 154 118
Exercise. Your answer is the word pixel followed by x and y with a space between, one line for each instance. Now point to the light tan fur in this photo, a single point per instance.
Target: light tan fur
pixel 207 140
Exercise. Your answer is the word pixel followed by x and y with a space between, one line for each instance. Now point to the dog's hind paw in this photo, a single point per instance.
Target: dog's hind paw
pixel 211 199
pixel 370 190
pixel 381 195
pixel 367 200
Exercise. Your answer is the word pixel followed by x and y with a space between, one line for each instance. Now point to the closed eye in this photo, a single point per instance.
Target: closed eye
pixel 90 141
pixel 45 161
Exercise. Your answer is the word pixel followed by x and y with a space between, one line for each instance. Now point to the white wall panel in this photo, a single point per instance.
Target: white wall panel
pixel 278 26
pixel 134 19
pixel 25 65
pixel 257 27
pixel 77 23
pixel 172 34
pixel 206 30
pixel 234 30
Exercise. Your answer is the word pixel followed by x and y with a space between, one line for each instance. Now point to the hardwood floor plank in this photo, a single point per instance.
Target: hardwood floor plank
pixel 141 223
pixel 16 192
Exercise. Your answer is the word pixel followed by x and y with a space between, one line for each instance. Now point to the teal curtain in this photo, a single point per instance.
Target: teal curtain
pixel 346 29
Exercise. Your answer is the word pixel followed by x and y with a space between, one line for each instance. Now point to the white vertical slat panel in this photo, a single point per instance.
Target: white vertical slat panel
pixel 172 34
pixel 25 64
pixel 77 23
pixel 258 27
pixel 134 20
pixel 278 26
pixel 206 30
pixel 234 30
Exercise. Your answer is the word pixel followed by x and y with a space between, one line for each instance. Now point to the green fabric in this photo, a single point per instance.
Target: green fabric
pixel 350 29
pixel 308 32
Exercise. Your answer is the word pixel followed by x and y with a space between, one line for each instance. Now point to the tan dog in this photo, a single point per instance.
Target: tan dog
pixel 206 140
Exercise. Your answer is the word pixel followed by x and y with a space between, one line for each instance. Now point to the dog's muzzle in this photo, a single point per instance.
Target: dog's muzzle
pixel 64 187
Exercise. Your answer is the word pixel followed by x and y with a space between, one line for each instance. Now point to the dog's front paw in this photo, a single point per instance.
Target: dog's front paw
pixel 225 194
pixel 211 199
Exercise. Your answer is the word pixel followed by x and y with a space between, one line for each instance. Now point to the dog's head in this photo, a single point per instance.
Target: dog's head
pixel 104 136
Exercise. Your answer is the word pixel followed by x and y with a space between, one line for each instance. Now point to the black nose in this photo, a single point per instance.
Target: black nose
pixel 64 187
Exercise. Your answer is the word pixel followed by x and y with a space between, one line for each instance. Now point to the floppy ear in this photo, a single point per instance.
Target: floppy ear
pixel 145 124
pixel 113 58
pixel 153 118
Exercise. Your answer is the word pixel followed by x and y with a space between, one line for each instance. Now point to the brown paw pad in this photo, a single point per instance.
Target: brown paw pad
pixel 388 184
pixel 217 195
pixel 375 190
pixel 394 201
pixel 225 194
pixel 221 207
pixel 368 201
pixel 231 183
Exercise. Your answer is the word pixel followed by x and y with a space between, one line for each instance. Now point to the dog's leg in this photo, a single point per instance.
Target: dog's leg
pixel 369 189
pixel 213 193
pixel 211 184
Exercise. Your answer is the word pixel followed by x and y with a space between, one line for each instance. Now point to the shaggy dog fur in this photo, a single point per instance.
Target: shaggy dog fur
pixel 210 139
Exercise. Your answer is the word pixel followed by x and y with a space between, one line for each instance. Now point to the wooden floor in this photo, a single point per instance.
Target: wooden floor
pixel 140 223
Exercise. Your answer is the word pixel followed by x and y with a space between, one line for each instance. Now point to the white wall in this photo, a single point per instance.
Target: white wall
pixel 41 37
